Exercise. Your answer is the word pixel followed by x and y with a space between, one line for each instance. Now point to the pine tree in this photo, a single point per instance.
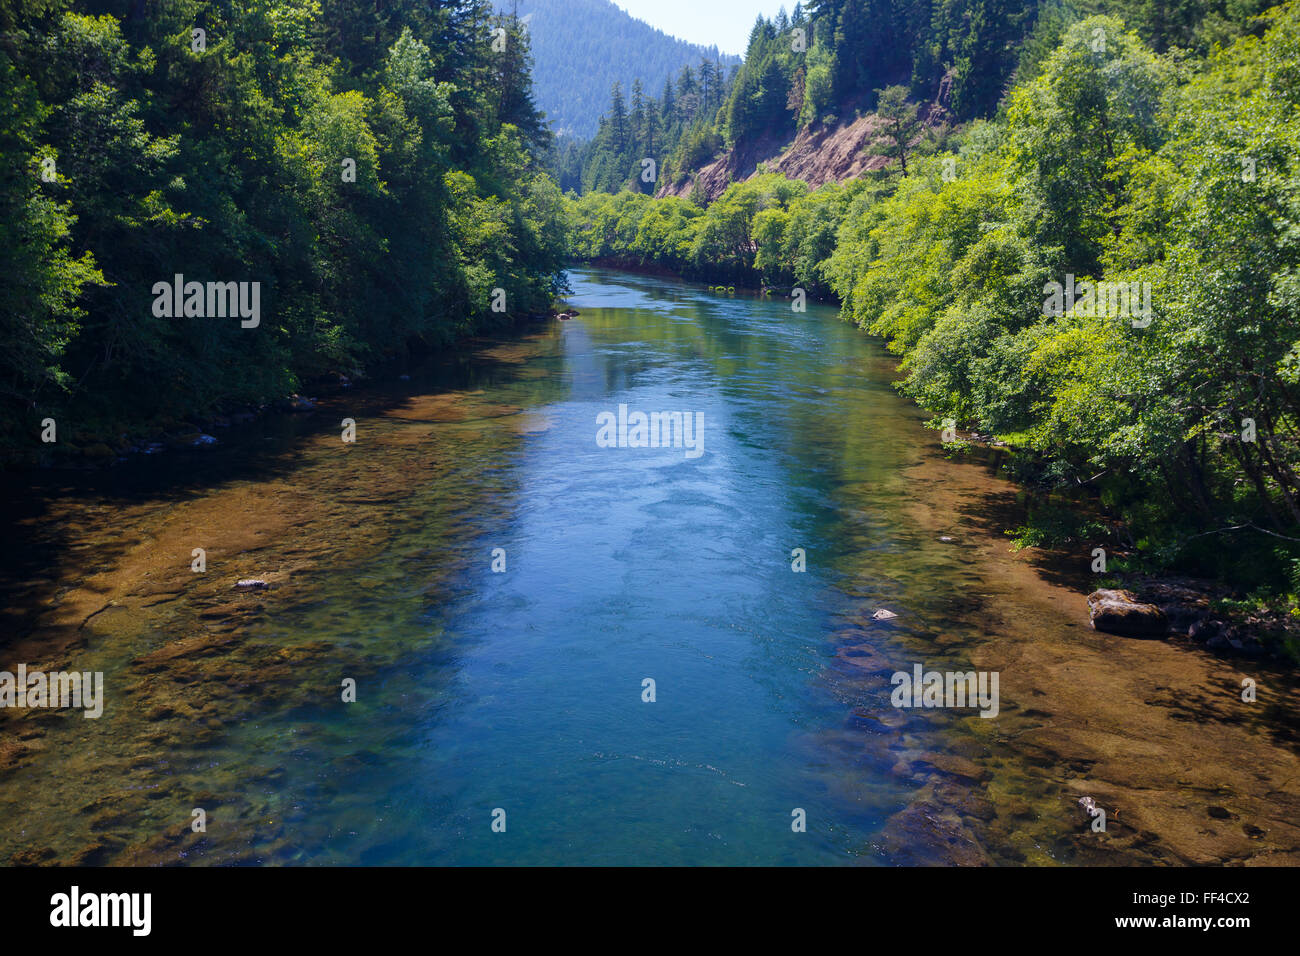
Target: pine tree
pixel 688 98
pixel 708 85
pixel 667 104
pixel 618 126
pixel 637 117
pixel 900 128
pixel 514 81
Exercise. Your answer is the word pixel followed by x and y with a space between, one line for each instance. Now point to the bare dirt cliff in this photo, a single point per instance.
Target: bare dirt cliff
pixel 817 155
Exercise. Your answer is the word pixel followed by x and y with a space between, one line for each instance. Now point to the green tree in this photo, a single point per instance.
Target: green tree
pixel 899 126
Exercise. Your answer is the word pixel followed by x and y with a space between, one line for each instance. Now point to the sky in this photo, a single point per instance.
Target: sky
pixel 724 23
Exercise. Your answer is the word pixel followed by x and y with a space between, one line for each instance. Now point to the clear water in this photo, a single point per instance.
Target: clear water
pixel 522 690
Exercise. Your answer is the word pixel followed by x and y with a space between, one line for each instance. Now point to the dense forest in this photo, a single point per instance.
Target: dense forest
pixel 829 61
pixel 1088 254
pixel 643 138
pixel 366 176
pixel 581 48
pixel 1105 276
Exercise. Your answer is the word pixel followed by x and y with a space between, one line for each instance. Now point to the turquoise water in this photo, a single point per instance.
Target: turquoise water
pixel 523 690
pixel 518 690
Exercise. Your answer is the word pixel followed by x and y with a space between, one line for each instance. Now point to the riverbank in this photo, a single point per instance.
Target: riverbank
pixel 1062 333
pixel 102 441
pixel 522 689
pixel 1156 732
pixel 1227 616
pixel 749 282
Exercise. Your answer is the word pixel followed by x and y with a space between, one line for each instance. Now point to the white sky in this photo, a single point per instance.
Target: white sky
pixel 724 23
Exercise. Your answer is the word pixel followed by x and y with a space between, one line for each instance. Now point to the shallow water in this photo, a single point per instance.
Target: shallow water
pixel 522 690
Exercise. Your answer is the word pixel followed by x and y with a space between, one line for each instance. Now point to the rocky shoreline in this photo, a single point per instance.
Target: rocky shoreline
pixel 90 449
pixel 1195 612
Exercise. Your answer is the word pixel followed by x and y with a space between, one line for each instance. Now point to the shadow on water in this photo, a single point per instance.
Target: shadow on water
pixel 500 588
pixel 265 450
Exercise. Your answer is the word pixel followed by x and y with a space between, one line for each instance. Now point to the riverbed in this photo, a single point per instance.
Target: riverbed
pixel 567 651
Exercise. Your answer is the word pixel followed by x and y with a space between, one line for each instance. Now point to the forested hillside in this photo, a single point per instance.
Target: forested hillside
pixel 828 61
pixel 645 139
pixel 583 47
pixel 362 176
pixel 348 185
pixel 963 52
pixel 1106 277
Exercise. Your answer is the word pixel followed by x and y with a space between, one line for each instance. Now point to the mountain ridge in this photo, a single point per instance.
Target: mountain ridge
pixel 574 69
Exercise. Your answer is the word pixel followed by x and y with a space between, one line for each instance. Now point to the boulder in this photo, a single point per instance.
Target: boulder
pixel 1119 612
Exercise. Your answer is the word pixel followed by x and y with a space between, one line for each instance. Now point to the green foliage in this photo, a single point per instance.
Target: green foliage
pixel 228 161
pixel 1170 179
pixel 819 84
pixel 1054 525
pixel 1111 167
pixel 767 230
pixel 679 131
pixel 899 126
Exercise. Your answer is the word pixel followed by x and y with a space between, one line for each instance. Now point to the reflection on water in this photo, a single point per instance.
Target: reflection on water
pixel 522 689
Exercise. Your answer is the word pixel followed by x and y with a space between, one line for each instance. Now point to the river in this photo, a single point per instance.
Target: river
pixel 500 588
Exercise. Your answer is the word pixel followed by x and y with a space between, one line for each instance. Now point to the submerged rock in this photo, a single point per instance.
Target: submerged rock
pixel 962 768
pixel 924 835
pixel 1119 612
pixel 883 614
pixel 251 584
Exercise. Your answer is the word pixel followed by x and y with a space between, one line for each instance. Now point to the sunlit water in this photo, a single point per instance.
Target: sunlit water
pixel 522 690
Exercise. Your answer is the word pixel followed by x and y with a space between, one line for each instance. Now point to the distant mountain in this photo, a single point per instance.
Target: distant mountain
pixel 582 47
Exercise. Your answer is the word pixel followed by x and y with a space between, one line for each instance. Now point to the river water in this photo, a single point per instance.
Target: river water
pixel 518 694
